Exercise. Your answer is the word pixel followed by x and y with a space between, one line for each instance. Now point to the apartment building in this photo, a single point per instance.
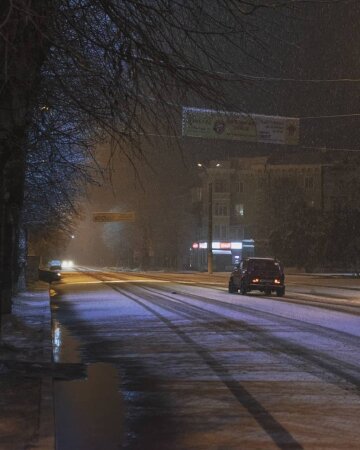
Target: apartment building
pixel 231 193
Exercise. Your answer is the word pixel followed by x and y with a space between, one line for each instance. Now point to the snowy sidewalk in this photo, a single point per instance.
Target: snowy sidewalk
pixel 26 409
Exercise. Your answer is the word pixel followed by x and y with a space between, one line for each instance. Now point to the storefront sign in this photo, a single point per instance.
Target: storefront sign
pixel 216 245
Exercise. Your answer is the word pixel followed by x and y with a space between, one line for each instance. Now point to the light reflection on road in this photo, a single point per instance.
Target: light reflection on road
pixel 89 413
pixel 65 346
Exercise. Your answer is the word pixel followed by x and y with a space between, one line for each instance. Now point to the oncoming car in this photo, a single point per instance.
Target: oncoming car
pixel 55 264
pixel 261 274
pixel 67 263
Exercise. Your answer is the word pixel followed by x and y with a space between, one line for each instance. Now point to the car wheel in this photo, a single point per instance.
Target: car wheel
pixel 243 289
pixel 280 292
pixel 232 288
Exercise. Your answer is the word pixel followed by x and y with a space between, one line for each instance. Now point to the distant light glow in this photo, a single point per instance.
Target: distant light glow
pixel 67 263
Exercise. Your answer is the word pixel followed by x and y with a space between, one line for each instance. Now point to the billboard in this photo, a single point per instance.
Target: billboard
pixel 212 124
pixel 114 217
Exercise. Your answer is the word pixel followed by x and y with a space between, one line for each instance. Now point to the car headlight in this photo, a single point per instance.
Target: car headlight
pixel 67 263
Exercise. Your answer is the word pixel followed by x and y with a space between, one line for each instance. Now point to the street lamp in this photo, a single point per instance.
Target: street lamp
pixel 210 220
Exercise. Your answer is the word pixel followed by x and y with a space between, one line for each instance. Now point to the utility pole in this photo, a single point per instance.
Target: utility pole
pixel 210 219
pixel 210 239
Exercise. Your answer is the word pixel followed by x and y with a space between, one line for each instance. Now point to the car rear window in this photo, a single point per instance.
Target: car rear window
pixel 264 264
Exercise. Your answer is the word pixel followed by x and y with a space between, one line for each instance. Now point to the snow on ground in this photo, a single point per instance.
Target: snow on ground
pixel 25 347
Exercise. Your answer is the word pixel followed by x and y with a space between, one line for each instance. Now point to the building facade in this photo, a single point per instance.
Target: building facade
pixel 240 189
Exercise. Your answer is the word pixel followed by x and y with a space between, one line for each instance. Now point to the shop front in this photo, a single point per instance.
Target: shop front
pixel 225 254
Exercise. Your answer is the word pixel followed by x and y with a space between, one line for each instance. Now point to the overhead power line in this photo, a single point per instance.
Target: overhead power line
pixel 324 149
pixel 244 76
pixel 334 116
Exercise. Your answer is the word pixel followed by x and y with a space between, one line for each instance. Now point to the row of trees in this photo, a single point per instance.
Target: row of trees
pixel 304 236
pixel 75 73
pixel 163 229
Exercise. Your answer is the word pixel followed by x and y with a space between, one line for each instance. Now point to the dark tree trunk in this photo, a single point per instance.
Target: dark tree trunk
pixel 22 260
pixel 11 196
pixel 22 52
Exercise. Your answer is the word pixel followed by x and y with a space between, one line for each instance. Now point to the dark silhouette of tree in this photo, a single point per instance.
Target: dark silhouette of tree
pixel 23 49
pixel 116 70
pixel 342 247
pixel 295 231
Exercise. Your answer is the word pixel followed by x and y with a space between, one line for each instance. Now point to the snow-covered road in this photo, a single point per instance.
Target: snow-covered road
pixel 182 364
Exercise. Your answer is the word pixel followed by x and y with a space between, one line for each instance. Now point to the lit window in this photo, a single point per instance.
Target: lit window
pixel 239 209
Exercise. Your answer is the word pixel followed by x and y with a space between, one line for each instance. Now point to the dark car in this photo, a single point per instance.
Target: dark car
pixel 49 275
pixel 260 274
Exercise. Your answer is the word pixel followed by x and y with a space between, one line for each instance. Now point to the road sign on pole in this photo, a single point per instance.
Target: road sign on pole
pixel 114 217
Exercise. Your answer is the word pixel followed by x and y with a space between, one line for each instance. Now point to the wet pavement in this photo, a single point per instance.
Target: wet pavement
pixel 26 371
pixel 89 413
pixel 179 367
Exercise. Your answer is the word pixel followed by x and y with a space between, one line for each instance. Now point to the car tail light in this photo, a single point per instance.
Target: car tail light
pixel 255 280
pixel 277 281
